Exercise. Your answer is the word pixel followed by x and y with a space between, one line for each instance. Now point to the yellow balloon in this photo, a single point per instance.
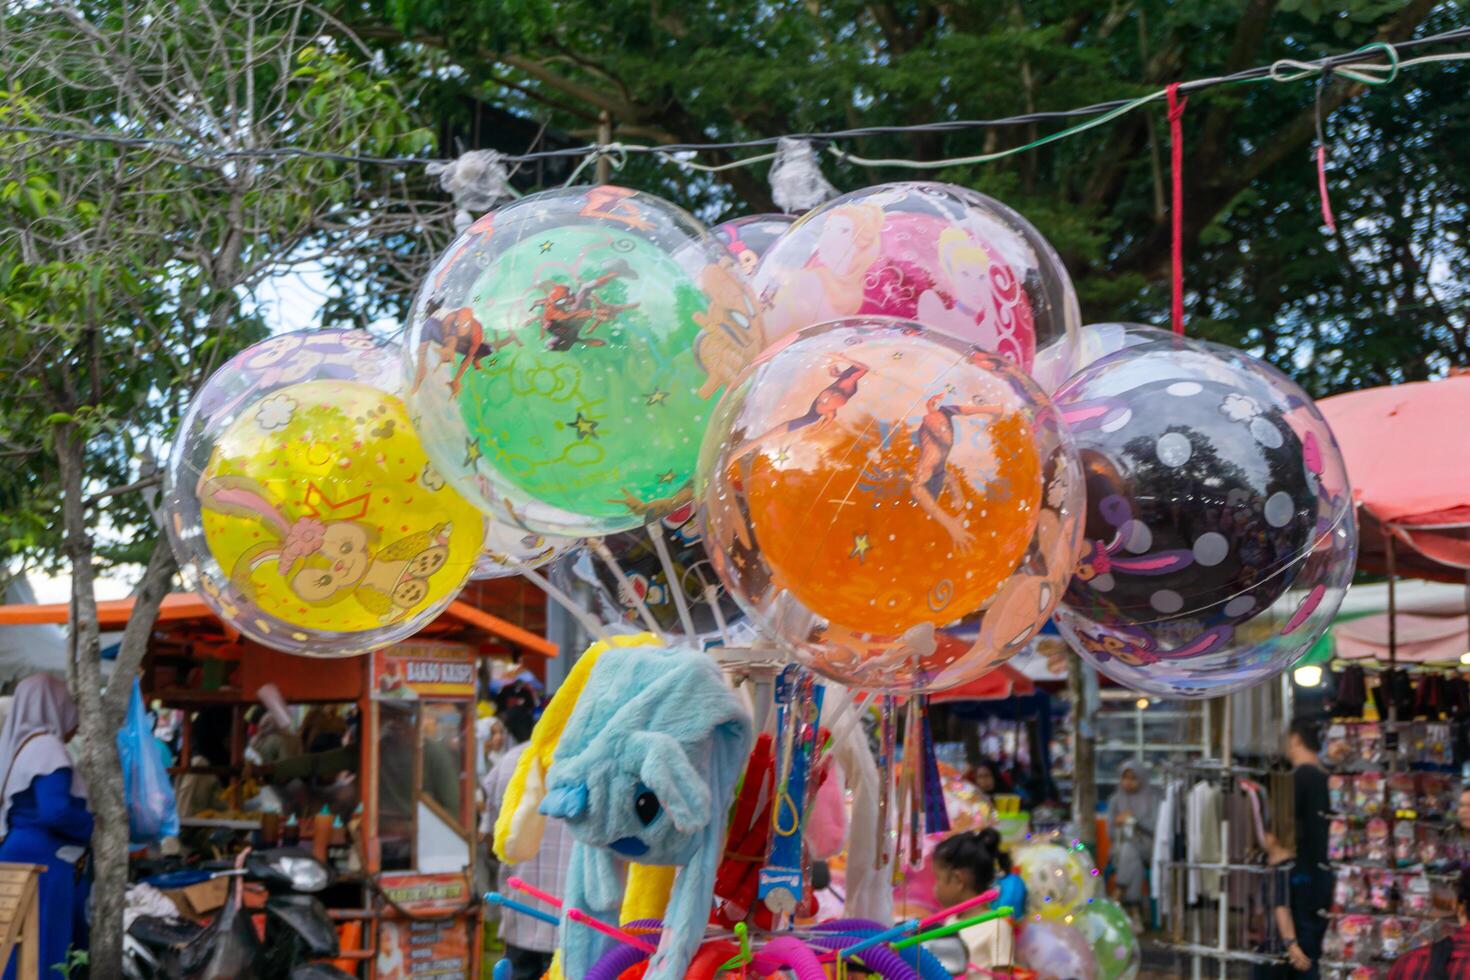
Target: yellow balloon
pixel 322 509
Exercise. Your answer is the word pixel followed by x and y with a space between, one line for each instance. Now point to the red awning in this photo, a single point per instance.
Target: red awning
pixel 999 684
pixel 1407 449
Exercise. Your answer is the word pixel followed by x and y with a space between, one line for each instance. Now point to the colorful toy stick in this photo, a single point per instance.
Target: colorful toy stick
pixel 887 935
pixel 520 885
pixel 1003 912
pixel 582 918
pixel 495 898
pixel 738 961
pixel 937 917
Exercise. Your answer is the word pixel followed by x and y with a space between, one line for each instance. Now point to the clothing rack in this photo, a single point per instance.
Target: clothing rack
pixel 1232 910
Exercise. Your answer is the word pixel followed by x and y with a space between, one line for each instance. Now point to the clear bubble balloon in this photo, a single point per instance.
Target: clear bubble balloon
pixel 1095 341
pixel 565 353
pixel 898 508
pixel 303 506
pixel 1219 537
pixel 645 581
pixel 945 256
pixel 1055 951
pixel 1105 926
pixel 750 237
pixel 510 548
pixel 1056 883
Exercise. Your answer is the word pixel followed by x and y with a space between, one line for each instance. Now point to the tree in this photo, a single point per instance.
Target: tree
pixel 1368 305
pixel 128 258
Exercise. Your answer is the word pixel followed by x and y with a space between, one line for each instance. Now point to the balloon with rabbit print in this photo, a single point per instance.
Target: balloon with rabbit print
pixel 310 517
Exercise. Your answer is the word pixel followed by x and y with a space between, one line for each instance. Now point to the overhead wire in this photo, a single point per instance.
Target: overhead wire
pixel 1362 66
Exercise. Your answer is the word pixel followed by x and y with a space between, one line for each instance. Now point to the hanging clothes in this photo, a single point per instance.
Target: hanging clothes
pixel 1203 840
pixel 1163 849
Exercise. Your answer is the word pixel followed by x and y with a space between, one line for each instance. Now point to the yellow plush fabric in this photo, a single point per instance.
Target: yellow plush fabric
pixel 647 892
pixel 519 825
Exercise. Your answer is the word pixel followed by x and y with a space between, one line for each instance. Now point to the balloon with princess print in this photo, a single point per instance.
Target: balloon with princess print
pixel 1054 950
pixel 564 354
pixel 950 258
pixel 750 237
pixel 308 514
pixel 898 508
pixel 1219 537
pixel 1105 926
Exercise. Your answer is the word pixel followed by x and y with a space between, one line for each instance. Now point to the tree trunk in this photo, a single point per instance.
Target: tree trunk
pixel 99 758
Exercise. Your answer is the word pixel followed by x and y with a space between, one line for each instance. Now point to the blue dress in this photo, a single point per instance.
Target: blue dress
pixel 45 817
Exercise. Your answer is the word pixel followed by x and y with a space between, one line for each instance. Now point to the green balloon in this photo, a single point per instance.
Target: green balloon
pixel 566 353
pixel 1106 927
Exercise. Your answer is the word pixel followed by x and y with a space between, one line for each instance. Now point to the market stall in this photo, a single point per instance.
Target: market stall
pixel 388 803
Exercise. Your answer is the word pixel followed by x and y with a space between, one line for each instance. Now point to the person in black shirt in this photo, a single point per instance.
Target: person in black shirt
pixel 1311 879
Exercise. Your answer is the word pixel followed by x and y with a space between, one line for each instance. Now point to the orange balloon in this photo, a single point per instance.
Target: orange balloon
pixel 883 533
pixel 896 508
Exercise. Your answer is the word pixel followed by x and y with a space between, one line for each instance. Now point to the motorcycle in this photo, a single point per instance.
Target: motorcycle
pixel 298 930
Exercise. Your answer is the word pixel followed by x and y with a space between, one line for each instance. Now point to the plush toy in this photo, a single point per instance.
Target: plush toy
pixel 644 771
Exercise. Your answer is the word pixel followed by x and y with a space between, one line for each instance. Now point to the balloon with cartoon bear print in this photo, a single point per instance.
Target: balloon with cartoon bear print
pixel 303 507
pixel 1218 537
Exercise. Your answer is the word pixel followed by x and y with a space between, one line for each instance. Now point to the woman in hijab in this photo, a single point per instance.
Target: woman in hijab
pixel 43 811
pixel 1131 814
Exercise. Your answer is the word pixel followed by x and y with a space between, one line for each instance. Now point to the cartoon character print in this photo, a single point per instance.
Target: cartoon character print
pixel 614 204
pixel 935 436
pixel 330 552
pixel 731 331
pixel 455 333
pixel 1137 648
pixel 1099 559
pixel 1025 599
pixel 832 282
pixel 567 314
pixel 293 357
pixel 977 293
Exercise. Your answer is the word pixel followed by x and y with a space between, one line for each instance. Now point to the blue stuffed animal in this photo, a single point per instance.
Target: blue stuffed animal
pixel 645 772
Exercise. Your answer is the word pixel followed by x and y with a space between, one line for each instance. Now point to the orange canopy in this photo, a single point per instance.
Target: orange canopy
pixel 113 614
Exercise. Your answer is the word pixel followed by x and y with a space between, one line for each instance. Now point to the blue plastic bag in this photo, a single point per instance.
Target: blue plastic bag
pixel 153 813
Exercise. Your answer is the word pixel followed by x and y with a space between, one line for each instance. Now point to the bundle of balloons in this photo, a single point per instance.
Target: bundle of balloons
pixel 879 435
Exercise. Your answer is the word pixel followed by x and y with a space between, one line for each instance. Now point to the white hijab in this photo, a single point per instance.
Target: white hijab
pixel 42 708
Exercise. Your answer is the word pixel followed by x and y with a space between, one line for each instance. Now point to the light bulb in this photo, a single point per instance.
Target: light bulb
pixel 1308 676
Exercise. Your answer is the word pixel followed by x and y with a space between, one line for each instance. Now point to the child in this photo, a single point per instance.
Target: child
pixel 969 864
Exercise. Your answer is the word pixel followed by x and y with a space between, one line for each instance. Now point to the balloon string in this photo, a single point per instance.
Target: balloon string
pixel 625 587
pixel 588 621
pixel 1176 166
pixel 676 587
pixel 1327 216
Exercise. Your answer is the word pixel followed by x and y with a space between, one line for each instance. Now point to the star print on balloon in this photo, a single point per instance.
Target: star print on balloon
pixel 898 523
pixel 943 256
pixel 1219 537
pixel 581 338
pixel 310 516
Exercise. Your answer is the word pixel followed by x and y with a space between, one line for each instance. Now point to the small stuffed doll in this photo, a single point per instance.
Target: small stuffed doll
pixel 645 771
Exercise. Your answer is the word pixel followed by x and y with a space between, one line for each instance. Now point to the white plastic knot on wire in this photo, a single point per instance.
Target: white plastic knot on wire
pixel 797 181
pixel 477 181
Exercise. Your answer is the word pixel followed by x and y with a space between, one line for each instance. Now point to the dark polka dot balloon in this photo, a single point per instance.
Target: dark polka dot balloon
pixel 1219 536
